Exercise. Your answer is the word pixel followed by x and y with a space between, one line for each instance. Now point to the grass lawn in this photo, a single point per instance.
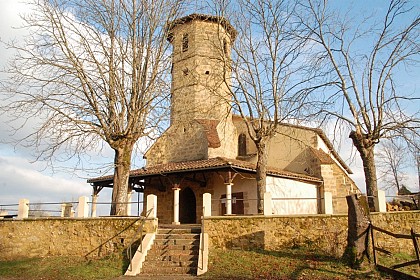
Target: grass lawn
pixel 223 264
pixel 60 268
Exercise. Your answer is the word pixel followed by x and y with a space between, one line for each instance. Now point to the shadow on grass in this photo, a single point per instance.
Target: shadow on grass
pixel 296 263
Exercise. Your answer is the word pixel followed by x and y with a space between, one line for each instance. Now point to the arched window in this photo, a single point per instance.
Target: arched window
pixel 185 42
pixel 242 144
pixel 225 47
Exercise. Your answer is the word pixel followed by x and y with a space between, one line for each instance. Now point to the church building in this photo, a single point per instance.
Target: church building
pixel 206 148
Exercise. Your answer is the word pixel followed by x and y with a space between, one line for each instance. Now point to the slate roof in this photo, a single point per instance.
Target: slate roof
pixel 207 165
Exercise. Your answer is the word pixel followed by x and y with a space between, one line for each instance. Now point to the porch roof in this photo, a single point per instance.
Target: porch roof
pixel 212 164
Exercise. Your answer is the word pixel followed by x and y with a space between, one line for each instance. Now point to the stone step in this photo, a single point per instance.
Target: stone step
pixel 177 242
pixel 169 270
pixel 160 236
pixel 174 251
pixel 172 257
pixel 171 247
pixel 182 226
pixel 159 264
pixel 178 230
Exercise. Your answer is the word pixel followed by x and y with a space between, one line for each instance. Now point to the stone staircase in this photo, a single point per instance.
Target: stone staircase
pixel 175 251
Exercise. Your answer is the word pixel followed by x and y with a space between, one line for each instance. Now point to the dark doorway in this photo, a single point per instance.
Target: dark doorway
pixel 187 206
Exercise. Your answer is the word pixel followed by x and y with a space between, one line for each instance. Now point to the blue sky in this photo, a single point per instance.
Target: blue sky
pixel 19 178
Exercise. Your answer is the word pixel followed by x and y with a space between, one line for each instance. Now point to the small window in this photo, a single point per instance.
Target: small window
pixel 225 47
pixel 185 42
pixel 242 144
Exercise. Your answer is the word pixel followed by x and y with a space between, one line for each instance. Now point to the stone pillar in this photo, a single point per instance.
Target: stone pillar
pixel 94 202
pixel 206 205
pixel 83 207
pixel 23 209
pixel 176 206
pixel 129 197
pixel 327 204
pixel 151 206
pixel 65 209
pixel 268 209
pixel 229 199
pixel 380 201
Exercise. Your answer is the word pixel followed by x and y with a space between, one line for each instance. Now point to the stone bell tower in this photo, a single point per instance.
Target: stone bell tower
pixel 200 65
pixel 201 121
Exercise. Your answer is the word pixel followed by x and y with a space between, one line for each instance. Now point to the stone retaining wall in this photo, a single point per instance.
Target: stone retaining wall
pixel 102 236
pixel 327 233
pixel 396 222
pixel 67 236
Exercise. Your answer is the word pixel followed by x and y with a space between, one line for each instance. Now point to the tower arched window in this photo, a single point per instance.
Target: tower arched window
pixel 225 47
pixel 185 42
pixel 242 144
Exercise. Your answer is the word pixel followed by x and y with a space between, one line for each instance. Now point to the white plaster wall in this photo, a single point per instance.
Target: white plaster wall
pixel 287 188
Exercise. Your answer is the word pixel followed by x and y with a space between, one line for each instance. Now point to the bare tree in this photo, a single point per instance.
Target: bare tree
pixel 414 148
pixel 271 81
pixel 363 59
pixel 92 72
pixel 393 159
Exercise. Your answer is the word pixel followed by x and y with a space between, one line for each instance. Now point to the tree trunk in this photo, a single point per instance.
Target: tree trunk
pixel 358 231
pixel 122 162
pixel 366 147
pixel 261 174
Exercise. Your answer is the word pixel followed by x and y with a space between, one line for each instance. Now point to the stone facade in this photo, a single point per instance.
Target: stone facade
pixel 67 237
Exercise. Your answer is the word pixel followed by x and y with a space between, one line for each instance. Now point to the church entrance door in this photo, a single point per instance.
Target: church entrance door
pixel 187 206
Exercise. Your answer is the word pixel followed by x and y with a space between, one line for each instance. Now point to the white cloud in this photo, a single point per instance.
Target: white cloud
pixel 19 179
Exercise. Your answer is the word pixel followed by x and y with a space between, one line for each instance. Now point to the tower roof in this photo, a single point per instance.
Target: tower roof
pixel 202 17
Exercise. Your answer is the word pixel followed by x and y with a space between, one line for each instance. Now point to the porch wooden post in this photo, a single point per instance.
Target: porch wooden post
pixel 176 190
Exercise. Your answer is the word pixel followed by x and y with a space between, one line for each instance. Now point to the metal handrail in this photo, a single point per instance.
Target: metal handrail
pixel 138 231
